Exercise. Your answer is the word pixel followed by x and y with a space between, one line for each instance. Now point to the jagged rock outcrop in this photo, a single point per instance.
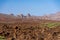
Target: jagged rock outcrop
pixel 11 17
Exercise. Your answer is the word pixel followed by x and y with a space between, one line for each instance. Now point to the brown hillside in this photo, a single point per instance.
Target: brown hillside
pixel 29 31
pixel 28 28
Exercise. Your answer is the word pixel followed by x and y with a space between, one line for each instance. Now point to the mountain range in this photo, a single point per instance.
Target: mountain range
pixel 11 17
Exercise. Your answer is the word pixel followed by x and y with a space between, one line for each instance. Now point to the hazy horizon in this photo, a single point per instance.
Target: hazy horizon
pixel 34 7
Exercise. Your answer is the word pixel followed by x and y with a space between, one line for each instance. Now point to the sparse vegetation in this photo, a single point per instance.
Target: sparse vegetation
pixel 51 24
pixel 43 30
pixel 29 29
pixel 2 38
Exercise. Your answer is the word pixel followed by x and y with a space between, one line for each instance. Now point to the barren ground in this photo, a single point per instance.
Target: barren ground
pixel 30 30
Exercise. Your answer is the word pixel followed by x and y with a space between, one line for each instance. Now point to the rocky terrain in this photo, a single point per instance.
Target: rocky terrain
pixel 29 27
pixel 30 31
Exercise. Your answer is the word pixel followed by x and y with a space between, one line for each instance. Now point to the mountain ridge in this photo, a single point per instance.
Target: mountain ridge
pixel 11 17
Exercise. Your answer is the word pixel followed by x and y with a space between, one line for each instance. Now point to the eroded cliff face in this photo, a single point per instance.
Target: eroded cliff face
pixel 29 31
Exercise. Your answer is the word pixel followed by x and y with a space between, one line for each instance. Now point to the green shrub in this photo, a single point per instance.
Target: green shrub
pixel 2 38
pixel 51 25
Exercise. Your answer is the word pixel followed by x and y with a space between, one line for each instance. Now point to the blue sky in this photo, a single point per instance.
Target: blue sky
pixel 34 7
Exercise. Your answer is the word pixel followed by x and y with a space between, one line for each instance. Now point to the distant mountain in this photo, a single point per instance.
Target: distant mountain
pixel 55 16
pixel 11 17
pixel 6 17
